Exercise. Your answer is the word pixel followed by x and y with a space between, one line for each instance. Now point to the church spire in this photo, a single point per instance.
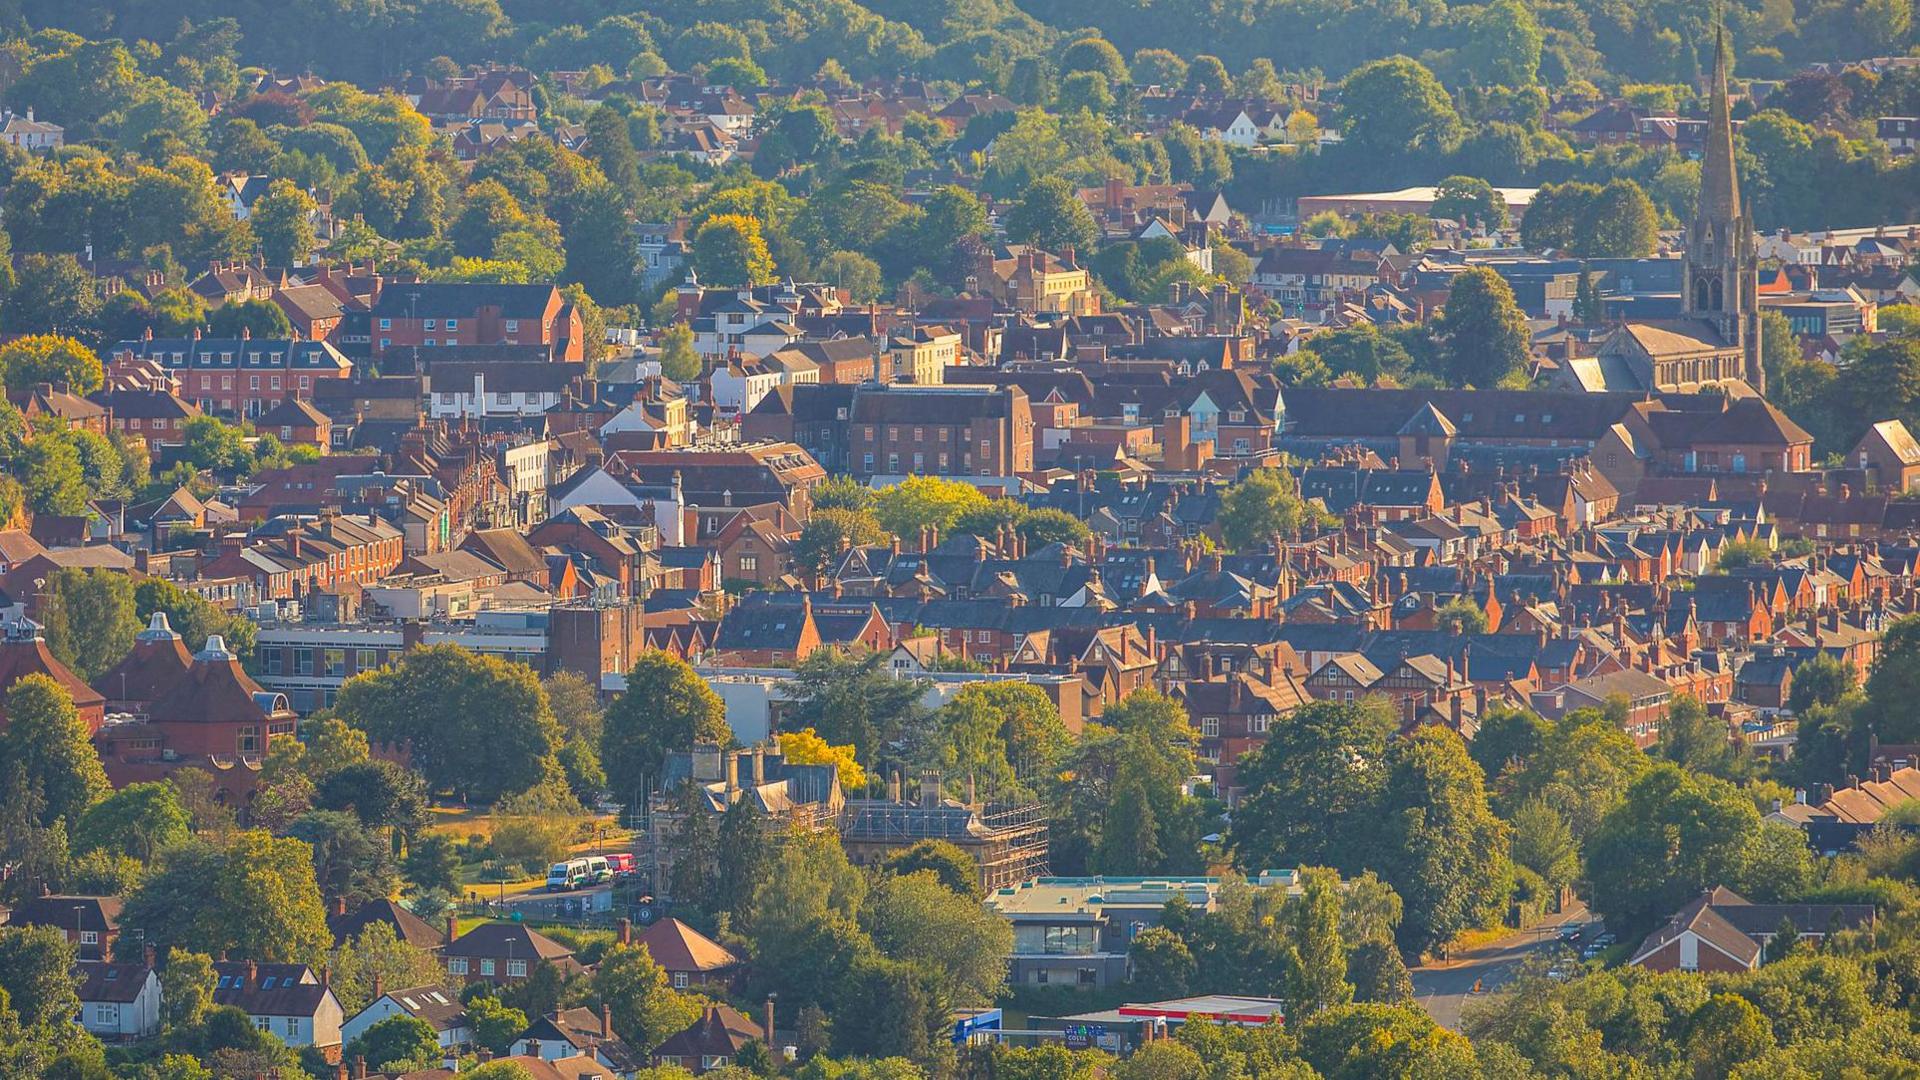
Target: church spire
pixel 1719 183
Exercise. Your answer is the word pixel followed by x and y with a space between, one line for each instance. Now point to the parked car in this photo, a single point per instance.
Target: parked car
pixel 568 876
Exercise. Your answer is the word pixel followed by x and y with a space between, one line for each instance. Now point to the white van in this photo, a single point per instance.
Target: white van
pixel 598 869
pixel 569 875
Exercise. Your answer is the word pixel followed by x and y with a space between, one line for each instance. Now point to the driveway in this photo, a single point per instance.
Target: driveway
pixel 1444 988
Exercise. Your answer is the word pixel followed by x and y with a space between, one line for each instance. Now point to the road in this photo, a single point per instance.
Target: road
pixel 1443 989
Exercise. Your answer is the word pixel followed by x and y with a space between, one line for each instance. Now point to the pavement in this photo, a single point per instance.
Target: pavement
pixel 1444 988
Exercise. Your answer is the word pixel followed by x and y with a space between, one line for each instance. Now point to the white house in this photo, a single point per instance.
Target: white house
pixel 439 1008
pixel 594 486
pixel 499 391
pixel 738 385
pixel 30 134
pixel 285 999
pixel 119 1002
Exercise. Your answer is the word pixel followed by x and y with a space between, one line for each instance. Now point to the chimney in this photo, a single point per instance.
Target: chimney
pixel 768 1029
pixel 626 931
pixel 757 760
pixel 339 905
pixel 453 929
pixel 379 986
pixel 340 1070
pixel 606 1021
pixel 253 973
pixel 146 954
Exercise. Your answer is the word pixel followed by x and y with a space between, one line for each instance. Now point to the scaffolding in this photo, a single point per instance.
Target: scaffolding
pixel 1007 840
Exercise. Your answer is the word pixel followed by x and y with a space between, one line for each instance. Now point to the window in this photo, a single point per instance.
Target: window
pixel 334 663
pixel 1210 727
pixel 89 937
pixel 456 966
pixel 253 382
pixel 386 324
pixel 513 326
pixel 305 382
pixel 486 967
pixel 1258 725
pixel 273 382
pixel 264 1023
pixel 386 343
pixel 106 1014
pixel 679 980
pixel 517 969
pixel 749 564
pixel 226 382
pixel 428 324
pixel 365 660
pixel 293 1026
pixel 453 324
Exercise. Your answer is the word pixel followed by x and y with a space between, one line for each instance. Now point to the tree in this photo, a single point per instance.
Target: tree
pixel 376 955
pixel 1502 45
pixel 1396 111
pixel 380 795
pixel 1543 844
pixel 89 619
pixel 190 981
pixel 1163 967
pixel 1379 974
pixel 1823 679
pixel 47 739
pixel 251 895
pixel 731 251
pixel 192 617
pixel 283 220
pixel 920 502
pixel 1724 1033
pixel 138 821
pixel 949 865
pixel 1485 333
pixel 1050 216
pixel 958 945
pixel 1693 740
pixel 1313 925
pixel 610 145
pixel 1206 73
pixel 852 699
pixel 829 534
pixel 1158 67
pixel 50 358
pixel 1085 90
pixel 805 747
pixel 397 1044
pixel 1671 837
pixel 1263 506
pixel 1893 682
pixel 1460 615
pixel 646 1011
pixel 1438 844
pixel 495 1026
pixel 54 480
pixel 477 725
pixel 678 360
pixel 666 706
pixel 352 865
pixel 536 827
pixel 262 319
pixel 1470 201
pixel 34 966
pixel 1096 55
pixel 1007 736
pixel 1619 222
pixel 52 294
pixel 744 852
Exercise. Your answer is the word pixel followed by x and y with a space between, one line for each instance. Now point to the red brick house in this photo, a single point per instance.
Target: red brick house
pixel 474 313
pixel 24 652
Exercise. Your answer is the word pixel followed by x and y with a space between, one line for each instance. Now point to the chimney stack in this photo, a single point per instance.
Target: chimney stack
pixel 626 931
pixel 768 1029
pixel 606 1021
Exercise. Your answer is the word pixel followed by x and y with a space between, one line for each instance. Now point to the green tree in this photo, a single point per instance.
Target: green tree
pixel 1158 67
pixel 1313 926
pixel 495 1026
pixel 54 480
pixel 397 1044
pixel 610 145
pixel 1485 333
pixel 1095 55
pixel 1821 680
pixel 678 360
pixel 730 250
pixel 854 272
pixel 1438 844
pixel 1163 966
pixel 283 220
pixel 192 617
pixel 666 706
pixel 52 294
pixel 1050 216
pixel 47 739
pixel 351 864
pixel 646 1011
pixel 949 865
pixel 1460 615
pixel 261 319
pixel 190 983
pixel 1206 72
pixel 830 533
pixel 852 700
pixel 1543 844
pixel 251 895
pixel 1361 351
pixel 89 619
pixel 959 945
pixel 377 956
pixel 1397 111
pixel 1618 223
pixel 476 725
pixel 1894 681
pixel 1264 505
pixel 1005 735
pixel 138 821
pixel 1671 837
pixel 536 827
pixel 1088 90
pixel 1470 201
pixel 1502 45
pixel 1695 740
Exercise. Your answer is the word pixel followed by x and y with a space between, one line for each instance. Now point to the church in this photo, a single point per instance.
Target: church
pixel 1715 341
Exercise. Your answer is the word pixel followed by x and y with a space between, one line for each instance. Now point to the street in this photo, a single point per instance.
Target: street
pixel 1444 988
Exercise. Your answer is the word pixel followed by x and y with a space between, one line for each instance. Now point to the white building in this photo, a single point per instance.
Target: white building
pixel 437 1007
pixel 30 134
pixel 119 1002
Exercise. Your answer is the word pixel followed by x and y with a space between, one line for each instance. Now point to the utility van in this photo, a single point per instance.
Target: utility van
pixel 568 876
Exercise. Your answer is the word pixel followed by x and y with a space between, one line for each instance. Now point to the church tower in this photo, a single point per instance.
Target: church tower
pixel 1721 267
